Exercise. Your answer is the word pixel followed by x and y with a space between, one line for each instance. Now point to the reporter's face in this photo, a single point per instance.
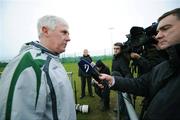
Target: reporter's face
pixel 117 50
pixel 168 32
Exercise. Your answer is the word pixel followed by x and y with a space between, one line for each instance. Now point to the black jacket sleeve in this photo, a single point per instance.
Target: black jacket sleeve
pixel 137 86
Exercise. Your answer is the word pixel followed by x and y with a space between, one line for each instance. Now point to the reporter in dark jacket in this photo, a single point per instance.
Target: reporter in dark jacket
pixel 162 83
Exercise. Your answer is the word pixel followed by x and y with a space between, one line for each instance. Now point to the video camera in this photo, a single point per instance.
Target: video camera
pixel 140 37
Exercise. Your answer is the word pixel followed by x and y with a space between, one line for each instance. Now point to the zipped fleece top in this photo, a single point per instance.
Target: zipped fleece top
pixel 35 86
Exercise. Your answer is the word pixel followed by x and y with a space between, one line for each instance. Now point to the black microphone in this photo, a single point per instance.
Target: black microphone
pixel 89 68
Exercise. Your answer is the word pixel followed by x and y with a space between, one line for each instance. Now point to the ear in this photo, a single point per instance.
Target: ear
pixel 45 30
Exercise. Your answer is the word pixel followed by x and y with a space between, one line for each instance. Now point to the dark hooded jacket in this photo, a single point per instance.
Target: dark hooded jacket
pixel 161 85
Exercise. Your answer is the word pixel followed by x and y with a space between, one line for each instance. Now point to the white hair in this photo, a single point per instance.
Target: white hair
pixel 50 22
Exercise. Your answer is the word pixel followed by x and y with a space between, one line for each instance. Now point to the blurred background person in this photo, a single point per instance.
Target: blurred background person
pixel 120 67
pixel 85 77
pixel 120 61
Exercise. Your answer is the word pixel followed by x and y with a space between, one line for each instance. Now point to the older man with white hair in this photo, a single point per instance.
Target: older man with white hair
pixel 35 85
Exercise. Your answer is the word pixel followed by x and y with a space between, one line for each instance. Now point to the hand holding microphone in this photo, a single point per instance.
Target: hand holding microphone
pixel 106 77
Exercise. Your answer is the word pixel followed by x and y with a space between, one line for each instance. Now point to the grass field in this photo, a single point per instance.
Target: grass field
pixel 93 102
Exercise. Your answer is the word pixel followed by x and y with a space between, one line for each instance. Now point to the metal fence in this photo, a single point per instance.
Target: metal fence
pixel 70 74
pixel 130 109
pixel 0 77
pixel 125 109
pixel 73 83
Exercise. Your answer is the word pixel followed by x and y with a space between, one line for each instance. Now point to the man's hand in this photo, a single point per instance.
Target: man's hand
pixel 135 55
pixel 106 77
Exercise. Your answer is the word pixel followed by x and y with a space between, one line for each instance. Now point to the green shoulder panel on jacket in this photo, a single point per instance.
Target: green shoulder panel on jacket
pixel 25 62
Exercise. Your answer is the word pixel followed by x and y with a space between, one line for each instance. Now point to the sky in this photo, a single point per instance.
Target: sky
pixel 94 24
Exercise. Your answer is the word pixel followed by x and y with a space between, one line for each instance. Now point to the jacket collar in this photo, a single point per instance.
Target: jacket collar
pixel 42 48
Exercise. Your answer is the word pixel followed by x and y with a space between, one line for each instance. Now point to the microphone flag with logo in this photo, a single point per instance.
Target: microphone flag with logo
pixel 89 68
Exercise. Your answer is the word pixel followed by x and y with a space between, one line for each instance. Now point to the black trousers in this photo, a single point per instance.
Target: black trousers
pixel 83 85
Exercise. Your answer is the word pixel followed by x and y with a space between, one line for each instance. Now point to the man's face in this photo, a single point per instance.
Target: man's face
pixel 117 50
pixel 58 38
pixel 168 32
pixel 85 52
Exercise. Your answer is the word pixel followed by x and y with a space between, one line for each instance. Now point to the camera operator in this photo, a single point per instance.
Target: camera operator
pixel 161 84
pixel 149 58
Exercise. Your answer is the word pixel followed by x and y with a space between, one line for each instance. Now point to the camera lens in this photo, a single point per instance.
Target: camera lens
pixel 82 108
